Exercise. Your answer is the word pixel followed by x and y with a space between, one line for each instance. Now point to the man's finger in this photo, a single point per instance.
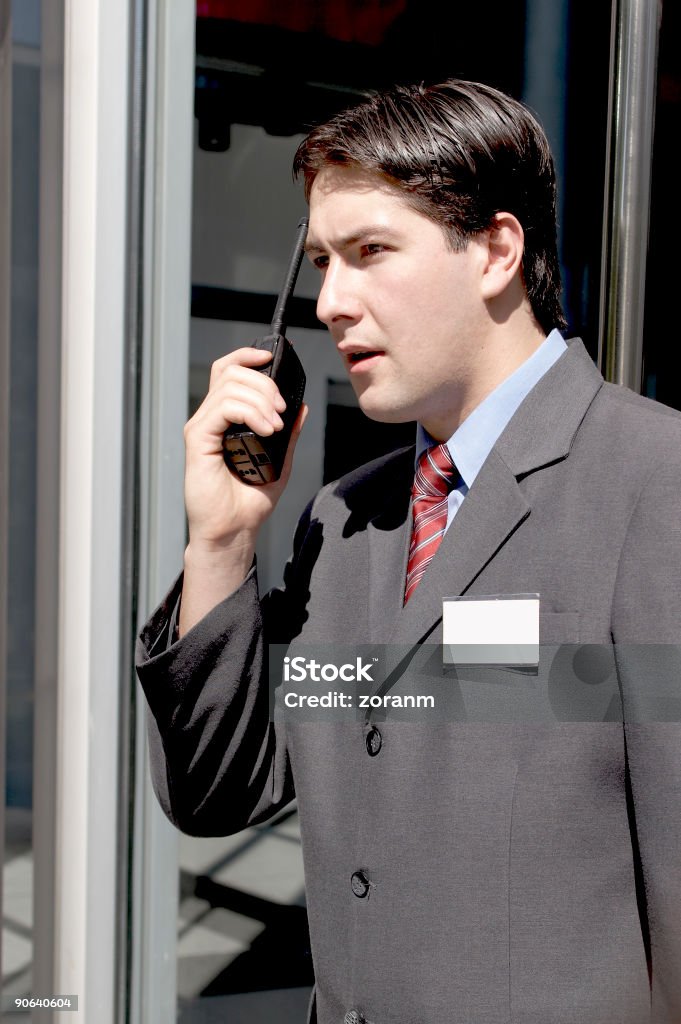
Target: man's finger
pixel 240 357
pixel 295 434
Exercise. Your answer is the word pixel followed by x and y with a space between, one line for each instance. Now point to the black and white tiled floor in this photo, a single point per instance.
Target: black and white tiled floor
pixel 243 948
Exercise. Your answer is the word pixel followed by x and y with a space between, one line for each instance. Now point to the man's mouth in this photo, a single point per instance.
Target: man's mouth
pixel 356 357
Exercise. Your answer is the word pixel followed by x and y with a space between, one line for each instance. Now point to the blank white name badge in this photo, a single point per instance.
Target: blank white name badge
pixel 493 630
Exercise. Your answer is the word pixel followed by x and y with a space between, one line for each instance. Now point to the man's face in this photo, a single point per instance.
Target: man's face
pixel 404 310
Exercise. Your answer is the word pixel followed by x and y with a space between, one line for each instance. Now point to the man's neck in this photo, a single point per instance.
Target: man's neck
pixel 506 348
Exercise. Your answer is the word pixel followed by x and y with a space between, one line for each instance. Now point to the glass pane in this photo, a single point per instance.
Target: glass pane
pixel 18 917
pixel 243 947
pixel 243 944
pixel 661 355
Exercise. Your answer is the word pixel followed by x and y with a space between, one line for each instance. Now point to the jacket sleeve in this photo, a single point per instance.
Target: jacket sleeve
pixel 647 635
pixel 218 758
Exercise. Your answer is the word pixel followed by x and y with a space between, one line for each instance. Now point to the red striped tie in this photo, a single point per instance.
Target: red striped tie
pixel 434 479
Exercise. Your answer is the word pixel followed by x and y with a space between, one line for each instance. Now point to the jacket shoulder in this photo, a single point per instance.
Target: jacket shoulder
pixel 642 422
pixel 367 487
pixel 377 474
pixel 638 405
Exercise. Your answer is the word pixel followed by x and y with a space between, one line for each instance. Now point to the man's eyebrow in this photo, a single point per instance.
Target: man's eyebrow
pixel 366 231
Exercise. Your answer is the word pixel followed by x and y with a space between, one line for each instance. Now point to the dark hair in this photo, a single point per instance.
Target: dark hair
pixel 461 152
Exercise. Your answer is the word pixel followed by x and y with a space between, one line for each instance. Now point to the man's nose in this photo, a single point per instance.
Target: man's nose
pixel 337 299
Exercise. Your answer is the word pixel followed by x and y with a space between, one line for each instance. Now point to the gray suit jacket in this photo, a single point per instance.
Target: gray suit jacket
pixel 520 846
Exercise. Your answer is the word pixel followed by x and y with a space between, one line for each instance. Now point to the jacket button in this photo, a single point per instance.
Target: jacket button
pixel 354 1017
pixel 360 886
pixel 374 741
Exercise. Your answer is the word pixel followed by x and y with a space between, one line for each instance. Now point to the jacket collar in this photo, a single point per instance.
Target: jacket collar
pixel 545 424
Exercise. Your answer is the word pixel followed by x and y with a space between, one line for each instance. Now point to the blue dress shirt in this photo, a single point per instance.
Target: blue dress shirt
pixel 474 439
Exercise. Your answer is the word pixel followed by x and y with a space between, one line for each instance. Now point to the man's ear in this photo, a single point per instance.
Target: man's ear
pixel 505 246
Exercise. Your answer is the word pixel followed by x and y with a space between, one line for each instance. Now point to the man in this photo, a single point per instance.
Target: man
pixel 514 857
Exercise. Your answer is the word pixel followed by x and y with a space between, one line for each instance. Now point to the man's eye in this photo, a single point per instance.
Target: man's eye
pixel 321 262
pixel 373 248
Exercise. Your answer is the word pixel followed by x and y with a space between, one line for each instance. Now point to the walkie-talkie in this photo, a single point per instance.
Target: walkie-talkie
pixel 256 459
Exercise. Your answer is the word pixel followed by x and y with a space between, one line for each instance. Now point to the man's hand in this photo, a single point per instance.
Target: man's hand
pixel 224 513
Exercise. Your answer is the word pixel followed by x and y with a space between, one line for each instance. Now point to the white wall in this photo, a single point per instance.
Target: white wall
pixel 246 208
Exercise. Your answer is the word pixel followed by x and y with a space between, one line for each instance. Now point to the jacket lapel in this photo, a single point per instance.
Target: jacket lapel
pixel 389 532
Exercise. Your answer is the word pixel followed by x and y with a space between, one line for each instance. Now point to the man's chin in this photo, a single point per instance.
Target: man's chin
pixel 380 413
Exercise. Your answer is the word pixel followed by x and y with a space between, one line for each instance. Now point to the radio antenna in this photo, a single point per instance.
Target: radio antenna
pixel 278 322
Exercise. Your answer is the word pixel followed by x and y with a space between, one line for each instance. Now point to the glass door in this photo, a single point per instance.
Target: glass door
pixel 261 80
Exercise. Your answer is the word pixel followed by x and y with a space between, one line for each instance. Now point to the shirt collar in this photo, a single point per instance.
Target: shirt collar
pixel 474 439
